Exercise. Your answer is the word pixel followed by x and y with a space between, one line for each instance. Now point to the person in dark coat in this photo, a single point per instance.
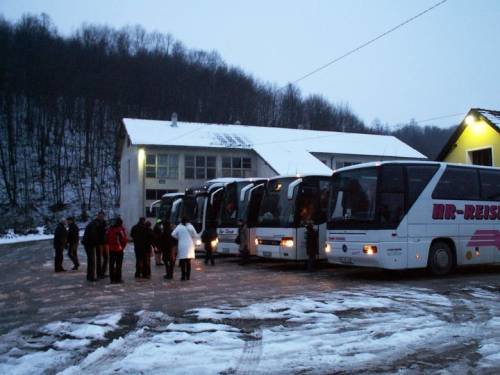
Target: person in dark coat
pixel 243 242
pixel 90 241
pixel 102 254
pixel 148 248
pixel 167 245
pixel 208 237
pixel 73 238
pixel 312 244
pixel 60 241
pixel 138 234
pixel 157 231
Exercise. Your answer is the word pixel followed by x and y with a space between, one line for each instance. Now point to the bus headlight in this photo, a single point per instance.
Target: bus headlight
pixel 328 247
pixel 197 242
pixel 257 241
pixel 214 243
pixel 287 242
pixel 370 249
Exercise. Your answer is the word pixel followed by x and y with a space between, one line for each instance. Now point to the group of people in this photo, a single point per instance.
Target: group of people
pixel 104 244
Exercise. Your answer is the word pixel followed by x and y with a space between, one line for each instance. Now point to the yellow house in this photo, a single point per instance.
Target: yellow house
pixel 476 140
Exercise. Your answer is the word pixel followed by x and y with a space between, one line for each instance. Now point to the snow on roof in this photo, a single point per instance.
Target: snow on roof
pixel 287 151
pixel 491 116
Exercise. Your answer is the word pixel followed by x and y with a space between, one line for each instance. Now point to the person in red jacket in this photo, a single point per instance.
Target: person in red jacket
pixel 116 239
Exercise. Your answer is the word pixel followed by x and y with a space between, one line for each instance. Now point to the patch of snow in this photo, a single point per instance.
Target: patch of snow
pixel 11 237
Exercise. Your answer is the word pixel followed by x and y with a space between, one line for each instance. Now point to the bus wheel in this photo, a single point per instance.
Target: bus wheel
pixel 440 259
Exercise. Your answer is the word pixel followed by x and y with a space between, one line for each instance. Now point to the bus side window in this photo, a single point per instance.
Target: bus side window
pixel 457 183
pixel 391 205
pixel 490 184
pixel 418 176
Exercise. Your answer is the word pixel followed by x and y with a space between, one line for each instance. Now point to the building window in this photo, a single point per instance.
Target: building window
pixel 162 166
pixel 342 164
pixel 481 157
pixel 236 167
pixel 199 167
pixel 155 194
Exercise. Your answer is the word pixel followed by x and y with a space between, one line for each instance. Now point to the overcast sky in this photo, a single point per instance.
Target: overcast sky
pixel 443 63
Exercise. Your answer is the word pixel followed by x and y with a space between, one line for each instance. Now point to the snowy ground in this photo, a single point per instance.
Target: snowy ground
pixel 265 318
pixel 388 329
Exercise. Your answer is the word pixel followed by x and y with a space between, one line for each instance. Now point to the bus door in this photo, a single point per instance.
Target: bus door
pixel 212 208
pixel 307 209
pixel 252 212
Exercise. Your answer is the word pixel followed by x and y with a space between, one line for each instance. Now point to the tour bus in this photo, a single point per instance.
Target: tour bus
pixel 240 201
pixel 168 207
pixel 287 205
pixel 405 214
pixel 201 205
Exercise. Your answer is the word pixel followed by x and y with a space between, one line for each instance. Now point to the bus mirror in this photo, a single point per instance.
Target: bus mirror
pixel 292 186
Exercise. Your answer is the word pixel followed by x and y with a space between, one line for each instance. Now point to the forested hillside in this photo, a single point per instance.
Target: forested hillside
pixel 62 100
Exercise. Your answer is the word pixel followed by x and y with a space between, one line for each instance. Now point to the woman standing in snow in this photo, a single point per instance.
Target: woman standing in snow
pixel 116 240
pixel 186 235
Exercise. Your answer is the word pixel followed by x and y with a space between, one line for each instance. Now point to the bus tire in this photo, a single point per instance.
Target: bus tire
pixel 440 259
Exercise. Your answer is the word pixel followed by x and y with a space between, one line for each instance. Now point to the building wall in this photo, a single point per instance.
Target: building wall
pixel 131 184
pixel 180 182
pixel 477 136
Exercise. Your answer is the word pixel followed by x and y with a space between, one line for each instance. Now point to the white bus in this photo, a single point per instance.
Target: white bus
pixel 240 201
pixel 168 207
pixel 201 205
pixel 400 215
pixel 287 205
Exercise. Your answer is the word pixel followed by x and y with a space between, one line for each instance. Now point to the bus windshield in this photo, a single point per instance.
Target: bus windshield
pixel 192 209
pixel 229 206
pixel 232 208
pixel 276 210
pixel 165 209
pixel 353 197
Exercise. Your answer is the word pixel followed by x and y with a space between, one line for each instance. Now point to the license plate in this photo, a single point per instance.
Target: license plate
pixel 345 260
pixel 267 253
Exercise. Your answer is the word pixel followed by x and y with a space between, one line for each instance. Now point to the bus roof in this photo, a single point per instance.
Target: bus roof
pixel 407 162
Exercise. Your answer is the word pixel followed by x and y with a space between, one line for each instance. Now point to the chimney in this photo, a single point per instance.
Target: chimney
pixel 174 120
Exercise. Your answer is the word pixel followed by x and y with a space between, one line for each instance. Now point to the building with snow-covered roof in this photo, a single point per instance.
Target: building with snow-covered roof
pixel 159 157
pixel 476 140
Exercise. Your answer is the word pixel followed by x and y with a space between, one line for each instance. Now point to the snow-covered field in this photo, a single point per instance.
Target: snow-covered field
pixel 389 329
pixel 11 237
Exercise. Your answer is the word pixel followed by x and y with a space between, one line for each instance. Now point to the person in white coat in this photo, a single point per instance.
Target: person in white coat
pixel 186 236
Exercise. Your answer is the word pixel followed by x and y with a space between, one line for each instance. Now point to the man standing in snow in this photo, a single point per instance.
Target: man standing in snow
pixel 138 234
pixel 312 243
pixel 60 240
pixel 91 242
pixel 73 238
pixel 102 248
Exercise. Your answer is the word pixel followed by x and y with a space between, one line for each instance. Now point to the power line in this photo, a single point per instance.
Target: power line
pixel 366 43
pixel 439 117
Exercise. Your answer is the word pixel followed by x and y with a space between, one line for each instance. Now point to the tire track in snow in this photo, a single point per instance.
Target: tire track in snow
pixel 252 352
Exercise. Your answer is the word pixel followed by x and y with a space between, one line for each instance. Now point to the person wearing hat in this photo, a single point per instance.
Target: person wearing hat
pixel 60 240
pixel 73 238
